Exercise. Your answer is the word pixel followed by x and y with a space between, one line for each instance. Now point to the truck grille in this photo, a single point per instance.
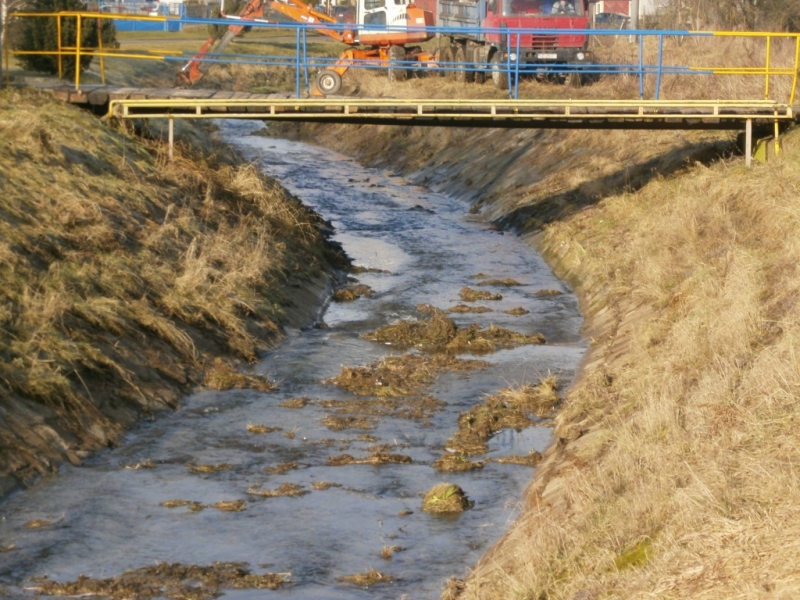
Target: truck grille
pixel 544 42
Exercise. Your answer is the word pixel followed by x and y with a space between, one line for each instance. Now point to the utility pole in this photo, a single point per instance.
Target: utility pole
pixel 634 22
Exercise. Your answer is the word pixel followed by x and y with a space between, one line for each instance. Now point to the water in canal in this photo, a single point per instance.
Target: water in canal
pixel 106 518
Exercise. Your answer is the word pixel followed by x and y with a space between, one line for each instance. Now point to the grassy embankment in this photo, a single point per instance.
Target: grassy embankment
pixel 123 277
pixel 674 473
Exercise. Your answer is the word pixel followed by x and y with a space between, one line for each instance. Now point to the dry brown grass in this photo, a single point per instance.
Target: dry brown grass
pixel 677 477
pixel 122 274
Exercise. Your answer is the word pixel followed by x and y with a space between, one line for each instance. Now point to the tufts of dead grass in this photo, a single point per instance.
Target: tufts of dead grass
pixel 166 580
pixel 366 579
pixel 446 498
pixel 405 375
pixel 123 274
pixel 468 294
pixel 440 333
pixel 221 375
pixel 285 489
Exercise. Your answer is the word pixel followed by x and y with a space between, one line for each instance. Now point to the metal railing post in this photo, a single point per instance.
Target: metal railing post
pixel 297 63
pixel 78 53
pixel 58 46
pixel 516 71
pixel 766 69
pixel 641 67
pixel 660 65
pixel 796 67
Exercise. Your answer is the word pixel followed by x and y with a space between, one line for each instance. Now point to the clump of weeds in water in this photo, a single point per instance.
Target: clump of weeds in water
pixel 285 489
pixel 467 294
pixel 400 375
pixel 508 409
pixel 352 292
pixel 388 551
pixel 531 460
pixel 341 423
pixel 440 333
pixel 223 505
pixel 377 458
pixel 255 428
pixel 403 407
pixel 167 580
pixel 547 293
pixel 463 308
pixel 282 468
pixel 324 485
pixel 446 498
pixel 517 311
pixel 208 468
pixel 501 282
pixel 456 463
pixel 223 376
pixel 295 403
pixel 366 579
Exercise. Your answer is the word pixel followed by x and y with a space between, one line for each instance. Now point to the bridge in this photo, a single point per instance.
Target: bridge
pixel 769 109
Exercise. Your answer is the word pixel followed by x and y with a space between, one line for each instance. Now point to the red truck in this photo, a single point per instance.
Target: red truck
pixel 476 55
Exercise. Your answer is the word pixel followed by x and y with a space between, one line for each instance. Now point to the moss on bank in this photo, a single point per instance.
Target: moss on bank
pixel 123 275
pixel 674 470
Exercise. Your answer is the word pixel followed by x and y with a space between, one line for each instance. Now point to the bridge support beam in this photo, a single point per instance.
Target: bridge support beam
pixel 748 143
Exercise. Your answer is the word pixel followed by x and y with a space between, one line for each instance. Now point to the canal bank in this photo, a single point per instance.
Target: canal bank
pixel 672 469
pixel 127 280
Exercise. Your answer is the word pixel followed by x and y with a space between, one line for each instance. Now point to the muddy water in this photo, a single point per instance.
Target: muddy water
pixel 105 517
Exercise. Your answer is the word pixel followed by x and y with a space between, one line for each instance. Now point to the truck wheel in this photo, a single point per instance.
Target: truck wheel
pixel 499 72
pixel 397 54
pixel 329 82
pixel 445 62
pixel 462 74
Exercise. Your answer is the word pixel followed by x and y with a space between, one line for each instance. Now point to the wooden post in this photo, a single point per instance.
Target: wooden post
pixel 748 143
pixel 171 138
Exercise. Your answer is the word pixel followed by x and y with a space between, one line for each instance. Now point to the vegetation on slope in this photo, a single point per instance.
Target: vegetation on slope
pixel 122 275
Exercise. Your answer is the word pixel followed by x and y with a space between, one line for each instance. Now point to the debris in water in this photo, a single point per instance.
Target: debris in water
pixel 38 524
pixel 463 308
pixel 377 458
pixel 295 403
pixel 282 468
pixel 446 498
pixel 367 579
pixel 508 409
pixel 261 428
pixel 467 294
pixel 352 292
pixel 207 468
pixel 221 375
pixel 229 505
pixel 324 485
pixel 501 282
pixel 440 332
pixel 518 311
pixel 145 464
pixel 456 463
pixel 285 489
pixel 531 460
pixel 7 548
pixel 175 503
pixel 388 551
pixel 401 375
pixel 403 407
pixel 167 580
pixel 547 293
pixel 339 423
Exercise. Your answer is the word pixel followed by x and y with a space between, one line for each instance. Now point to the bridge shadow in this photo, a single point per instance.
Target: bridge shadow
pixel 541 211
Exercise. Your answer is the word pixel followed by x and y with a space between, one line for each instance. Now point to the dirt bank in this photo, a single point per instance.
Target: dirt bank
pixel 123 277
pixel 673 471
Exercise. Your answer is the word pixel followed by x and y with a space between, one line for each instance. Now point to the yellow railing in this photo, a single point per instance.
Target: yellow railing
pixel 80 50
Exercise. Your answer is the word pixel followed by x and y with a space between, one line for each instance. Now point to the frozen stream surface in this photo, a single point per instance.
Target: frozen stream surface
pixel 107 518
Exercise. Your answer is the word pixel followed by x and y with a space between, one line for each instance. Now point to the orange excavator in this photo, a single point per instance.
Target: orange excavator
pixel 377 35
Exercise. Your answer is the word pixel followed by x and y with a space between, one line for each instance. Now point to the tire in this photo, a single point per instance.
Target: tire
pixel 395 71
pixel 445 60
pixel 499 72
pixel 329 82
pixel 462 74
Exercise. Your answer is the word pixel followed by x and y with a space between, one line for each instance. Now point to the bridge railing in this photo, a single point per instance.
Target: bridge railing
pixel 767 61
